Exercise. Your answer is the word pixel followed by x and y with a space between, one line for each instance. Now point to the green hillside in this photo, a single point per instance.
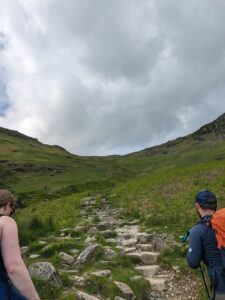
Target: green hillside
pixel 156 186
pixel 31 168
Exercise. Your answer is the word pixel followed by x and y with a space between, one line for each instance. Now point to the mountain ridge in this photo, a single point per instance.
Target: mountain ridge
pixel 210 130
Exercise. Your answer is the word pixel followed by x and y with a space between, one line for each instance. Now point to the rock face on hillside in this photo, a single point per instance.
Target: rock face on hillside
pixel 216 127
pixel 211 131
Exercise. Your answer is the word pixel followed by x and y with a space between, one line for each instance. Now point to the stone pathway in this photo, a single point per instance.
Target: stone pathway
pixel 142 248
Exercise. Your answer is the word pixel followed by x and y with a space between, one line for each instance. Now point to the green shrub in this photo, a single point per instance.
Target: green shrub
pixel 33 228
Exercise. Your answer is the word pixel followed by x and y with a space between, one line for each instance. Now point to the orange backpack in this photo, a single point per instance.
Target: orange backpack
pixel 218 224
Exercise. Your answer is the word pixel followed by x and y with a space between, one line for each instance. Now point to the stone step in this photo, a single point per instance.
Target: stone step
pixel 129 250
pixel 144 247
pixel 77 280
pixel 157 284
pixel 144 237
pixel 146 258
pixel 127 242
pixel 148 271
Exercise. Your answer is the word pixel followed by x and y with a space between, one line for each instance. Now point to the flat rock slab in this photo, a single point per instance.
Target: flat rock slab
pixel 87 254
pixel 126 290
pixel 104 225
pixel 33 256
pixel 144 247
pixel 127 231
pixel 157 284
pixel 77 280
pixel 66 258
pixel 85 296
pixel 102 273
pixel 127 242
pixel 145 258
pixel 129 250
pixel 144 238
pixel 109 254
pixel 148 271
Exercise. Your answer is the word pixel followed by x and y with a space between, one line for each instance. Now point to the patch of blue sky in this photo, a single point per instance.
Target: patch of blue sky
pixel 4 100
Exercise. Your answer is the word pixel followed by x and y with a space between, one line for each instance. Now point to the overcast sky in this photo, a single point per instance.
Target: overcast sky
pixel 101 77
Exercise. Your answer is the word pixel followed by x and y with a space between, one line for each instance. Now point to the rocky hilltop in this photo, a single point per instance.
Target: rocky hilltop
pixel 216 127
pixel 211 131
pixel 15 133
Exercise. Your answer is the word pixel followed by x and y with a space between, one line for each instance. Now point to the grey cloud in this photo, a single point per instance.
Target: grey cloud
pixel 104 77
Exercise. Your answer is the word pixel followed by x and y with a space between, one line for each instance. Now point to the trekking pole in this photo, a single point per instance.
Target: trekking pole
pixel 205 284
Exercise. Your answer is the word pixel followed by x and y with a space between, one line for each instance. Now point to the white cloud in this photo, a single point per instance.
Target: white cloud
pixel 103 77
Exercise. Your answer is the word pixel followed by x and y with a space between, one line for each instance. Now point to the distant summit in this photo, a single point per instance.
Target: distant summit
pixel 216 127
pixel 214 131
pixel 211 132
pixel 15 134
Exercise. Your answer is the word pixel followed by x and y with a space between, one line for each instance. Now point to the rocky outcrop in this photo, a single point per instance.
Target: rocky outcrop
pixel 87 254
pixel 45 271
pixel 125 290
pixel 84 296
pixel 66 258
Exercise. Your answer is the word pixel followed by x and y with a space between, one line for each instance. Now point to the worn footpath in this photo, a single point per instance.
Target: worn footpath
pixel 143 249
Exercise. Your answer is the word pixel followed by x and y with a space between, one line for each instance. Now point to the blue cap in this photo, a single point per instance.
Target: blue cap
pixel 206 199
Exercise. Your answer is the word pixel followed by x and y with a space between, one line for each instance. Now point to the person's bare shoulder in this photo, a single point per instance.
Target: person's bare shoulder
pixel 6 221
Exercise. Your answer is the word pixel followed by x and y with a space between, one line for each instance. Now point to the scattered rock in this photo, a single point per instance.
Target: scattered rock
pixel 89 240
pixel 109 254
pixel 87 254
pixel 136 277
pixel 85 296
pixel 144 238
pixel 176 268
pixel 24 250
pixel 105 225
pixel 129 250
pixel 92 230
pixel 126 290
pixel 148 271
pixel 145 258
pixel 42 242
pixel 78 280
pixel 107 234
pixel 45 271
pixel 127 242
pixel 66 258
pixel 112 241
pixel 157 284
pixel 32 256
pixel 144 247
pixel 102 273
pixel 74 251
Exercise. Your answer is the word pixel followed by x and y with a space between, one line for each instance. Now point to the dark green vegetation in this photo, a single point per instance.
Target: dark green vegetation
pixel 156 185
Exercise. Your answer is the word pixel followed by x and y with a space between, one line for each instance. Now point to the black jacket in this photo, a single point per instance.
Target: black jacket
pixel 203 247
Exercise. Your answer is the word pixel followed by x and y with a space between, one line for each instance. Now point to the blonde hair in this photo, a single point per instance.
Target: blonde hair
pixel 6 197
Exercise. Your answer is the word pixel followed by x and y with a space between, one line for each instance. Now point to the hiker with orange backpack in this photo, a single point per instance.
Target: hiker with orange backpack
pixel 207 242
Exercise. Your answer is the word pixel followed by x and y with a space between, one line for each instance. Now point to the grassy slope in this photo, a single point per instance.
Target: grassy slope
pixel 167 183
pixel 157 184
pixel 78 173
